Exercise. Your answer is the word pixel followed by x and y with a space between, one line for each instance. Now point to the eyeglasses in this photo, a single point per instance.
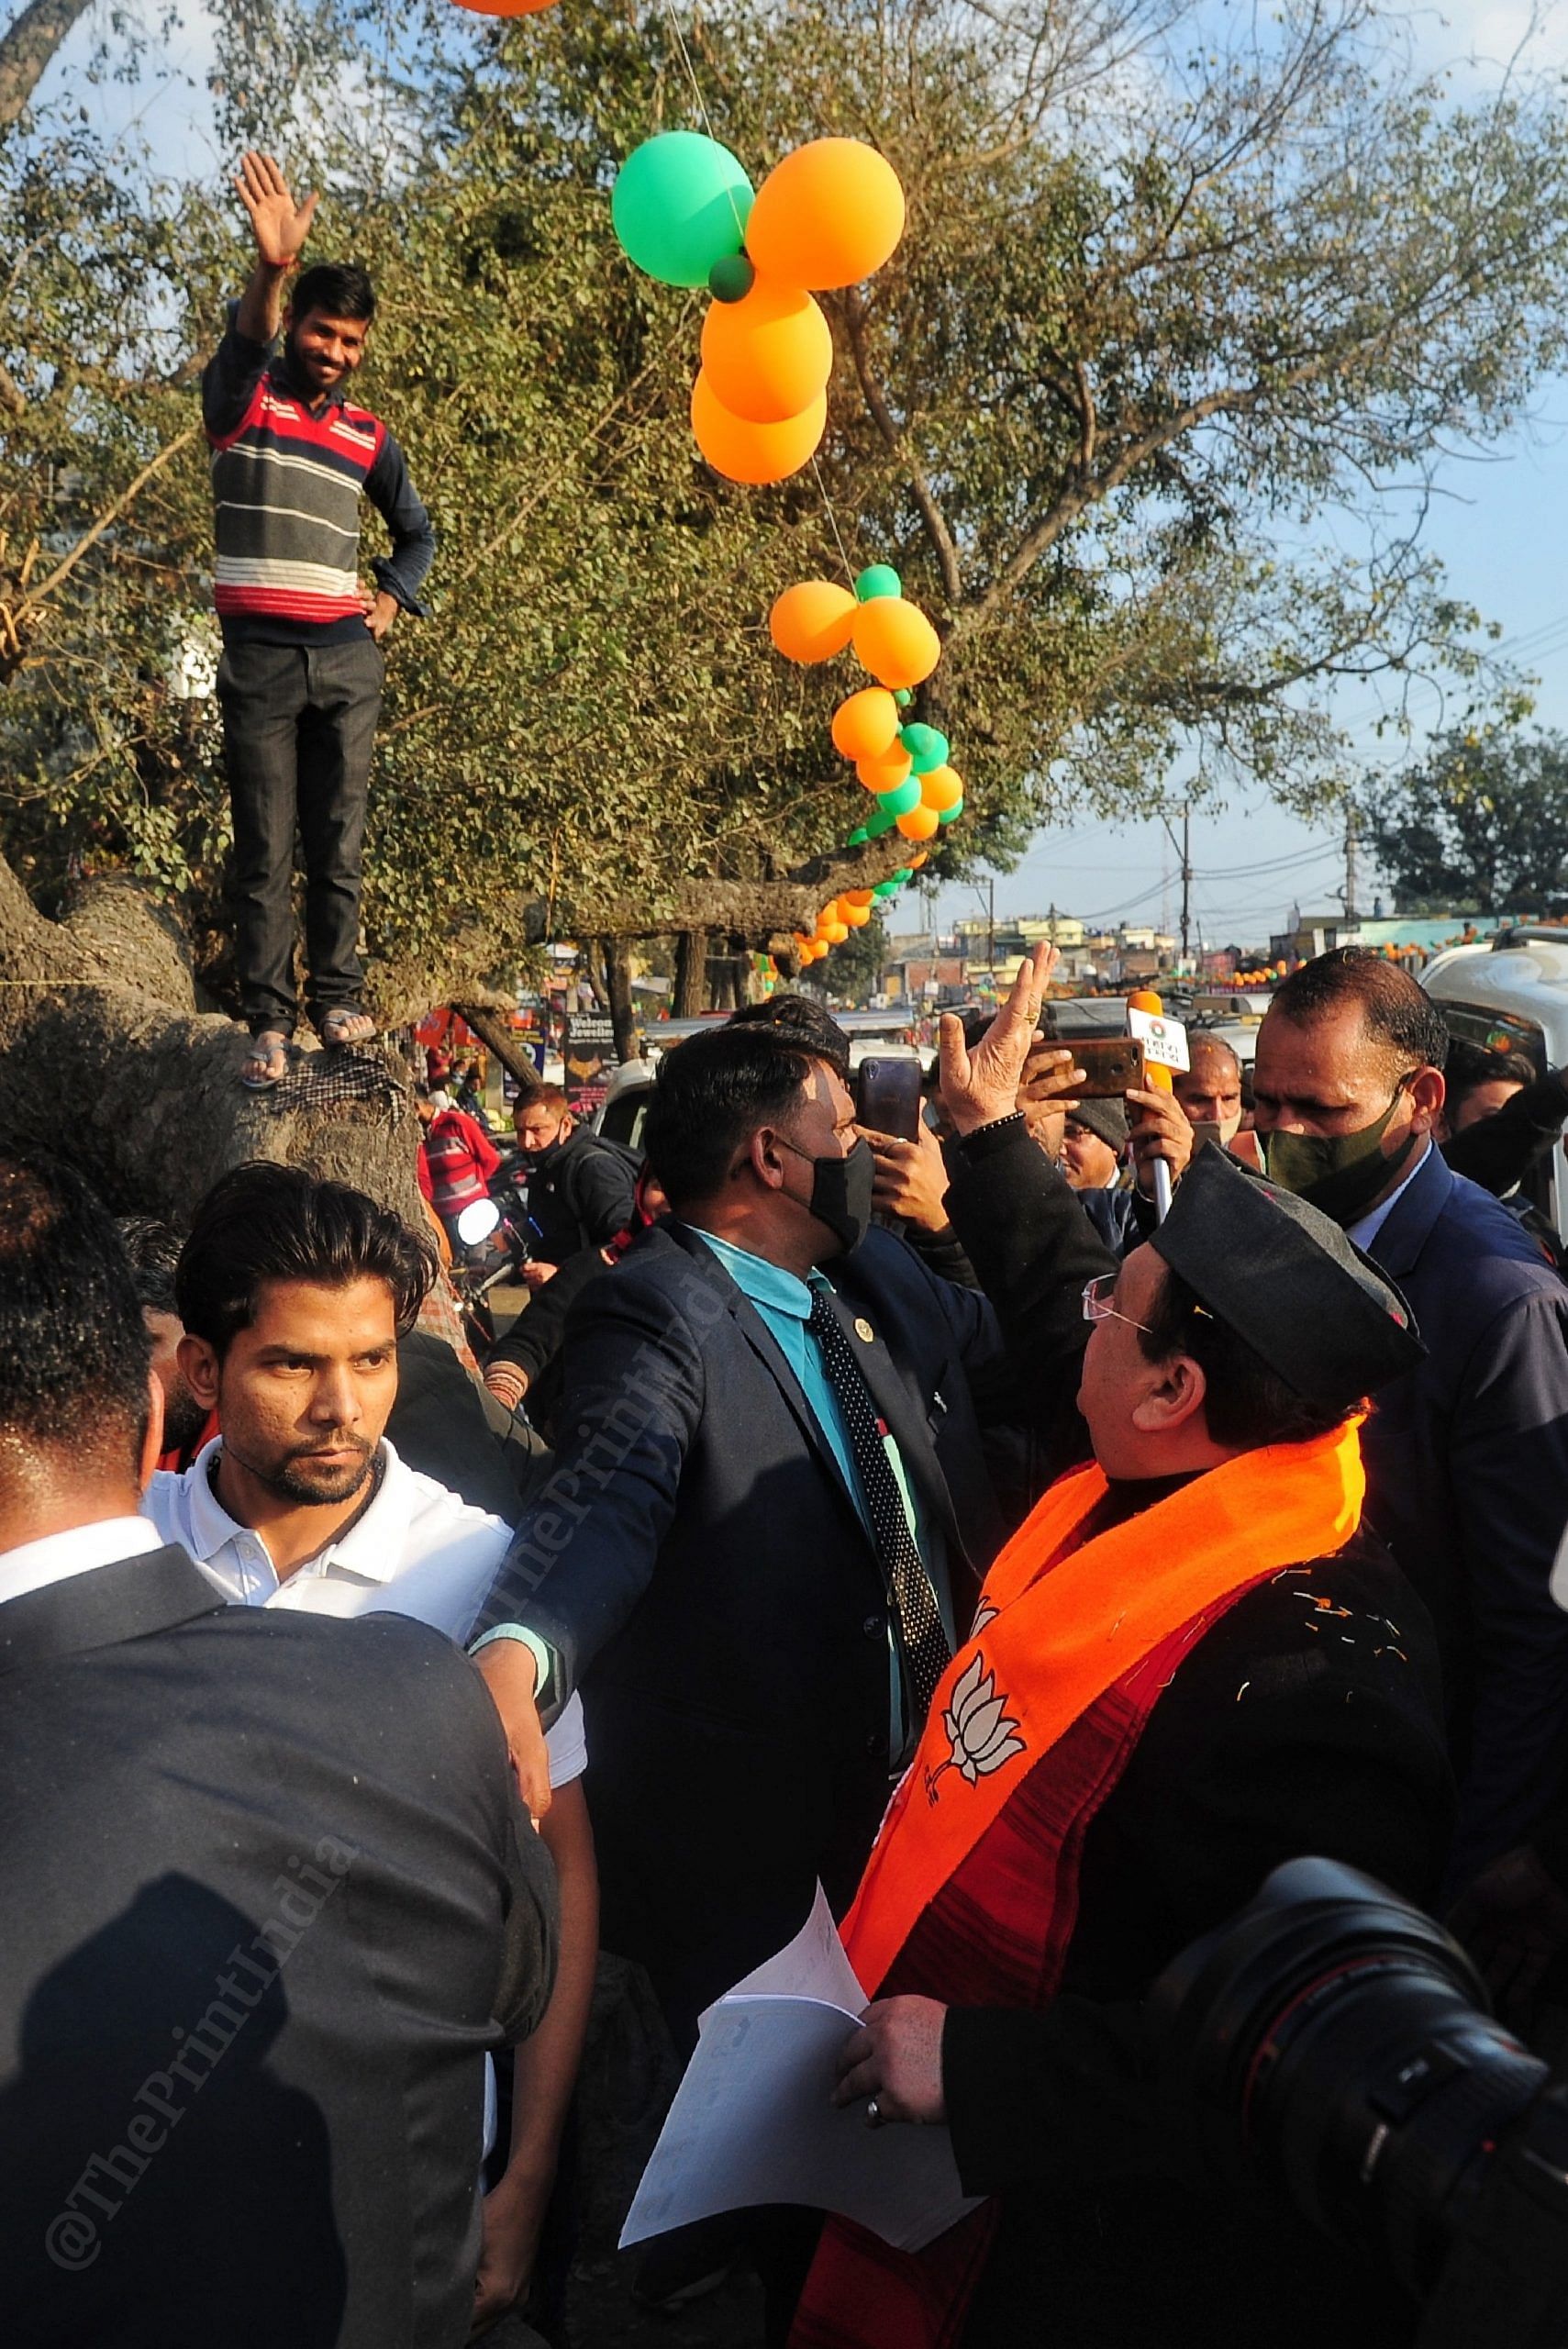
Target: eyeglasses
pixel 1097 1306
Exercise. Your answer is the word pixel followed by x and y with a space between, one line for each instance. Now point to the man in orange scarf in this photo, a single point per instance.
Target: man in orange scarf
pixel 1192 1661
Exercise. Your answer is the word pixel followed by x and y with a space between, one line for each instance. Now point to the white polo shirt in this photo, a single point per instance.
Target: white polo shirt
pixel 418 1550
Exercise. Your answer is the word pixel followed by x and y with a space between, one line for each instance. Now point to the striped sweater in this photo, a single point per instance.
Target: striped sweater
pixel 286 490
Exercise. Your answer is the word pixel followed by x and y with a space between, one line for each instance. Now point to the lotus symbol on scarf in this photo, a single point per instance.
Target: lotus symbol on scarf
pixel 976 1721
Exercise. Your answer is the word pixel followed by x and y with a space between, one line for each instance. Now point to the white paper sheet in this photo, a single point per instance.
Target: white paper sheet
pixel 754 2121
pixel 813 1965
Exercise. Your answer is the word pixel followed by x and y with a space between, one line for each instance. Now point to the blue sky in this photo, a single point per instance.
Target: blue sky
pixel 1499 525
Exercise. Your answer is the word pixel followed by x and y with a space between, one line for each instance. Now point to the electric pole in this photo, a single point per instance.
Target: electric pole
pixel 1184 850
pixel 1350 862
pixel 990 931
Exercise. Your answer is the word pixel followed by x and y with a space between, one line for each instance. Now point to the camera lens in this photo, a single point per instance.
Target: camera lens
pixel 1338 2040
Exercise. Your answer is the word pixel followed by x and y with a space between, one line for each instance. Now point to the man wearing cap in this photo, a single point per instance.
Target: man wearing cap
pixel 1093 1147
pixel 1192 1661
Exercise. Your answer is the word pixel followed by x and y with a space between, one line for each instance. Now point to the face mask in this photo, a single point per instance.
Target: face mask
pixel 841 1192
pixel 1339 1173
pixel 545 1149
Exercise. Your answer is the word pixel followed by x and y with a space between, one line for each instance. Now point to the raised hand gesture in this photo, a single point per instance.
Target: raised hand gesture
pixel 982 1084
pixel 281 230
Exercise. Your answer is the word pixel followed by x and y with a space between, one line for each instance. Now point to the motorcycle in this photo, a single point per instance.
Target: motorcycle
pixel 492 1234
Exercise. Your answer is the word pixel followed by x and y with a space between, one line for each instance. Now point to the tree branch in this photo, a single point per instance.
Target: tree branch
pixel 936 531
pixel 27 607
pixel 26 49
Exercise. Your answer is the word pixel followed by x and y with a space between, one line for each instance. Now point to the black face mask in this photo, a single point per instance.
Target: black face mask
pixel 841 1192
pixel 1341 1174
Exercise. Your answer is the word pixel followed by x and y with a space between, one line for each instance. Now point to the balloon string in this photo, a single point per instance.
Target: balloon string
pixel 833 522
pixel 701 103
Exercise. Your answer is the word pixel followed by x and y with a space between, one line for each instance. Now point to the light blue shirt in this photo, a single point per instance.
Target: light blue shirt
pixel 783 1303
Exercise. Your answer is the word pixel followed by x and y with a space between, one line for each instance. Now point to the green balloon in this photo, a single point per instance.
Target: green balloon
pixel 858 837
pixel 927 748
pixel 903 696
pixel 900 799
pixel 949 815
pixel 731 278
pixel 883 821
pixel 679 204
pixel 887 889
pixel 878 579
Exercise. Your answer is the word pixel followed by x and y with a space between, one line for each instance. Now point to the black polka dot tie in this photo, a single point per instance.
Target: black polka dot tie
pixel 921 1639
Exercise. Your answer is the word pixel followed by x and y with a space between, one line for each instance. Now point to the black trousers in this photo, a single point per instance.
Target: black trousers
pixel 298 731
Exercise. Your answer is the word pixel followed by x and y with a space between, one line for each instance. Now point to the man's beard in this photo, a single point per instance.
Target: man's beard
pixel 300 1477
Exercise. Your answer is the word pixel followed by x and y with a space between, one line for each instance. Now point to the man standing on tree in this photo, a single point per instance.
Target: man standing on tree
pixel 303 660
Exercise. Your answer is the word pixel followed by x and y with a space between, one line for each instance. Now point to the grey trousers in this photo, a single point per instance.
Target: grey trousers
pixel 298 731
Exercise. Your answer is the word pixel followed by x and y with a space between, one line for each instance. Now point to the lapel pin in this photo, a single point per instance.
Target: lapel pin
pixel 864 1330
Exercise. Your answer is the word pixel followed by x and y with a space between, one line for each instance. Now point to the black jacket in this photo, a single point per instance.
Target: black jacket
pixel 1499 1150
pixel 268 1893
pixel 1288 1730
pixel 580 1195
pixel 697 1563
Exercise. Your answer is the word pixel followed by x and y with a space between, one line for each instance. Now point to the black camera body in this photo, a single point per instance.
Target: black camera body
pixel 1336 2041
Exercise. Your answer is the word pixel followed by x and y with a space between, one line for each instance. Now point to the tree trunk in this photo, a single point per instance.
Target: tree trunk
pixel 593 969
pixel 26 49
pixel 691 975
pixel 623 1011
pixel 107 1063
pixel 509 1047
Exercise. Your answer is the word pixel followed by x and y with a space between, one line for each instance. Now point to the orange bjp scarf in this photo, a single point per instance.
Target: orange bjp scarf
pixel 970 1893
pixel 1049 1639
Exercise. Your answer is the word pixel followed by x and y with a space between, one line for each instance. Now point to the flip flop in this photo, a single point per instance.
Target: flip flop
pixel 268 1057
pixel 335 1023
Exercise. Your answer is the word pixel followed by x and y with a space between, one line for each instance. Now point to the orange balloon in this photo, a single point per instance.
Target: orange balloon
pixel 827 215
pixel 896 641
pixel 754 453
pixel 857 917
pixel 921 823
pixel 888 771
pixel 916 862
pixel 836 933
pixel 812 621
pixel 866 726
pixel 941 788
pixel 768 355
pixel 856 897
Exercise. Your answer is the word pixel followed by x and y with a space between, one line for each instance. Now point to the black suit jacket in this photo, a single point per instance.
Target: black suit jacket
pixel 697 1563
pixel 267 1895
pixel 1467 1481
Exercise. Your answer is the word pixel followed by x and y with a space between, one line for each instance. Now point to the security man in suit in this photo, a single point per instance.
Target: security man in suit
pixel 1467 1456
pixel 767 1520
pixel 268 1890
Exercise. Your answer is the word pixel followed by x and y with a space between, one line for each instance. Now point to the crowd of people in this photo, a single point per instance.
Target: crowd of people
pixel 927 1520
pixel 931 1519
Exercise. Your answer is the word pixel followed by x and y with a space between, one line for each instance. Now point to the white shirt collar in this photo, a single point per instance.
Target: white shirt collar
pixel 372 1547
pixel 33 1566
pixel 1364 1232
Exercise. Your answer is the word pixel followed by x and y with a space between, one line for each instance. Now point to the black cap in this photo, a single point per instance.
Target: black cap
pixel 1322 1315
pixel 1105 1117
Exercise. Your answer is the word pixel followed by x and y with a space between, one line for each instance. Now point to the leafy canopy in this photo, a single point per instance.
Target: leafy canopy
pixel 1170 324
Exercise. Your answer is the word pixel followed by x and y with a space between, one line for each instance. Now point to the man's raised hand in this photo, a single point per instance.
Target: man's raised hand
pixel 280 229
pixel 981 1085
